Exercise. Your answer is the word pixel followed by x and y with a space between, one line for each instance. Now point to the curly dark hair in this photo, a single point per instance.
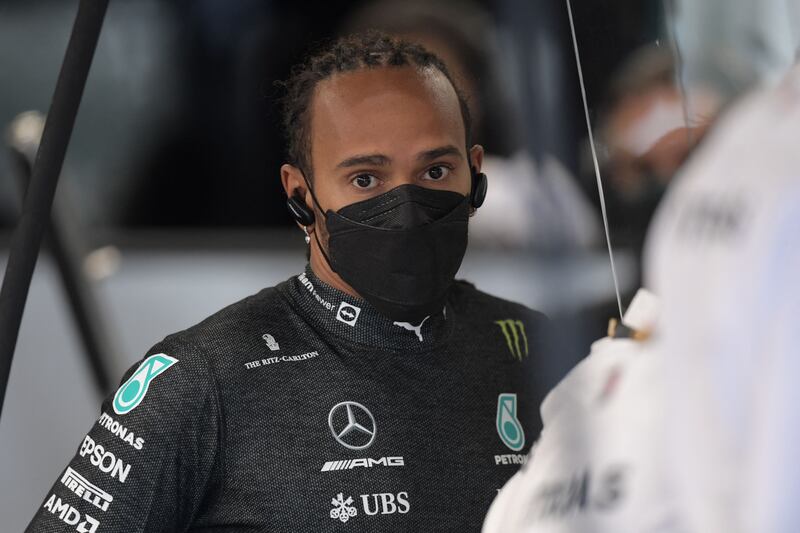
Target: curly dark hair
pixel 371 49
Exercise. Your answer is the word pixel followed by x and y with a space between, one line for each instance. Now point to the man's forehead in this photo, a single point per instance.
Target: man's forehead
pixel 382 106
pixel 344 86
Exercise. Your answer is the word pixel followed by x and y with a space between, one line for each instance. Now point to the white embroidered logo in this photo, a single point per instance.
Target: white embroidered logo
pixel 342 508
pixel 348 313
pixel 271 342
pixel 415 329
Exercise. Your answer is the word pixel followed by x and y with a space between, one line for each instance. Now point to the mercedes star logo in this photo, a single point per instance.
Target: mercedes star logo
pixel 352 425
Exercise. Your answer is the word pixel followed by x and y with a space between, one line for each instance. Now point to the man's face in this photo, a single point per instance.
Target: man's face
pixel 375 129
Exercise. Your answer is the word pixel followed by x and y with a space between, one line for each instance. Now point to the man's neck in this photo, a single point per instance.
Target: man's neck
pixel 323 271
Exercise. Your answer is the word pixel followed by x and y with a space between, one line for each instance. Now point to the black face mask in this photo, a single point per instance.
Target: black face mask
pixel 400 250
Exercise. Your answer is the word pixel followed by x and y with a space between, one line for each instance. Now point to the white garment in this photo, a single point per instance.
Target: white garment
pixel 702 431
pixel 595 465
pixel 724 255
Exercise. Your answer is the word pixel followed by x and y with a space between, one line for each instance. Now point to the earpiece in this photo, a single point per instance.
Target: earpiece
pixel 480 185
pixel 299 210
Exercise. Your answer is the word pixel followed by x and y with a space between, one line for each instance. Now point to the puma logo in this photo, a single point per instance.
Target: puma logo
pixel 415 329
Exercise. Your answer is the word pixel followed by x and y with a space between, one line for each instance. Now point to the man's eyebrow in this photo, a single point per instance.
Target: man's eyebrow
pixel 378 160
pixel 429 155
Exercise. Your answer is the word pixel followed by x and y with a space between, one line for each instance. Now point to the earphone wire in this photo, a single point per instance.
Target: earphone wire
pixel 594 159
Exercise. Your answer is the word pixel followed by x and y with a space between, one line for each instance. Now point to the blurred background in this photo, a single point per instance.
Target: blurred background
pixel 169 205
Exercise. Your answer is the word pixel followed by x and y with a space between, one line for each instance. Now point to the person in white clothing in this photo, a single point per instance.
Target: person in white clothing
pixel 696 429
pixel 724 255
pixel 595 465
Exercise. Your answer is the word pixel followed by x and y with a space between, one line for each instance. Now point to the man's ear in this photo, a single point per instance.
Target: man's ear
pixel 293 181
pixel 476 157
pixel 297 191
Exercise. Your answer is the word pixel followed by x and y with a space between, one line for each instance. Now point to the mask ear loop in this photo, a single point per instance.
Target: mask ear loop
pixel 313 196
pixel 316 231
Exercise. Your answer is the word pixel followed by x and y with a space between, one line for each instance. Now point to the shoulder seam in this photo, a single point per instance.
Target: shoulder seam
pixel 219 453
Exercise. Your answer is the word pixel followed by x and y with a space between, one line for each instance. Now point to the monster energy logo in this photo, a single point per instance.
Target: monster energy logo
pixel 514 332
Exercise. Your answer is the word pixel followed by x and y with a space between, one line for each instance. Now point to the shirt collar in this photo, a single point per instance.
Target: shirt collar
pixel 357 320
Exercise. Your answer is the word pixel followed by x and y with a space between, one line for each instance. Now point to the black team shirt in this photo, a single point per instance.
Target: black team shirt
pixel 302 408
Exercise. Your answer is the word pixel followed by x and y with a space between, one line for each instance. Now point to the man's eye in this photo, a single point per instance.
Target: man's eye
pixel 365 181
pixel 437 173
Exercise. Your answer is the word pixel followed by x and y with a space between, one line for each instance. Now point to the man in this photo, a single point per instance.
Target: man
pixel 724 251
pixel 369 393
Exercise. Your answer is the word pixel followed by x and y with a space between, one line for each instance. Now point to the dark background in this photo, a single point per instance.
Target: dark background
pixel 180 126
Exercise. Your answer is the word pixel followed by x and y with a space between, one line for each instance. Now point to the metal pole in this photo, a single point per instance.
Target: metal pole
pixel 35 215
pixel 64 240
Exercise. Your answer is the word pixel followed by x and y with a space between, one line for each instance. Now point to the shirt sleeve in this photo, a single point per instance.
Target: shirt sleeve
pixel 150 460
